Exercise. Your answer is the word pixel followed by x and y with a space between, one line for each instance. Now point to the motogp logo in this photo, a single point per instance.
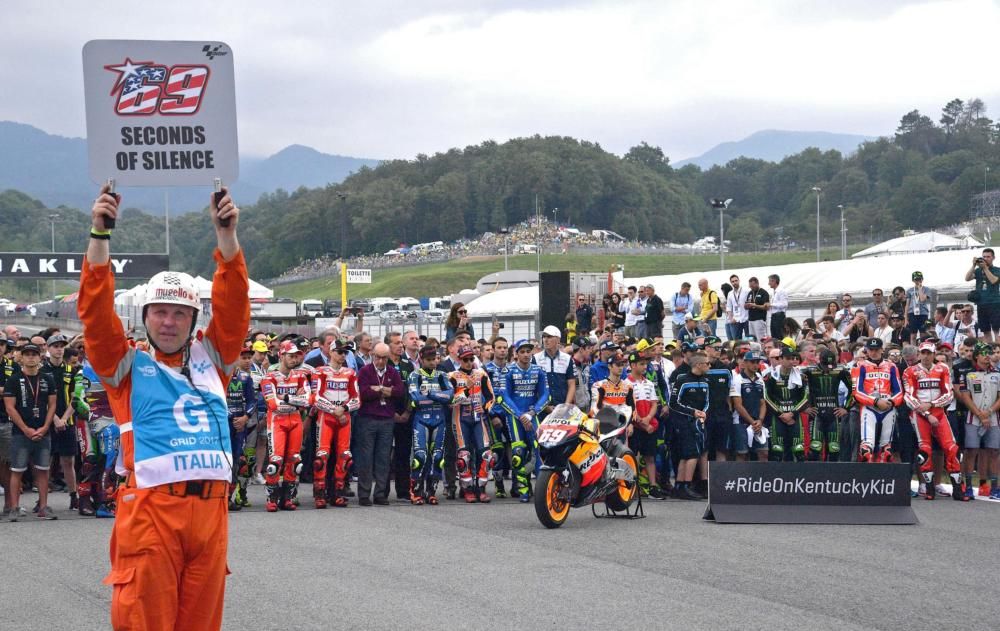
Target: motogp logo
pixel 145 88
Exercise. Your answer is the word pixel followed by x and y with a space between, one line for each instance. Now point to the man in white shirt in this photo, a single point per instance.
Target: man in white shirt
pixel 883 331
pixel 629 305
pixel 845 316
pixel 777 306
pixel 736 311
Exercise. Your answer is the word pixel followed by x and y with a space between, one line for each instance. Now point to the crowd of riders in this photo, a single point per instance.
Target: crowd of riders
pixel 455 418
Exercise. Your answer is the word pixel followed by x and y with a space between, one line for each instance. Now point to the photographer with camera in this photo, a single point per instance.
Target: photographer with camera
pixel 986 295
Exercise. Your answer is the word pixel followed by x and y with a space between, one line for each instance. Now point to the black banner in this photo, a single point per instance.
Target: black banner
pixel 68 265
pixel 809 493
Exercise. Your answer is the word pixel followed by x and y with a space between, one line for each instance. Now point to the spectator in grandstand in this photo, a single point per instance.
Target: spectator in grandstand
pixel 898 302
pixel 900 334
pixel 944 328
pixel 737 315
pixel 987 278
pixel 875 307
pixel 756 304
pixel 584 315
pixel 845 315
pixel 778 306
pixel 918 304
pixel 680 306
pixel 654 314
pixel 882 330
pixel 630 309
pixel 966 325
pixel 710 300
pixel 458 320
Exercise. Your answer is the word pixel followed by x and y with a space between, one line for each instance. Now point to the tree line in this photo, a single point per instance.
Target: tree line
pixel 921 177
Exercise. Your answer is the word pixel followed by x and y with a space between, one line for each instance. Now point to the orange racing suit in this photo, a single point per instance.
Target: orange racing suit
pixel 333 387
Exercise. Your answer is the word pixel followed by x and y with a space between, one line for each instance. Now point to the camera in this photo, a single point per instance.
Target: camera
pixel 500 326
pixel 980 260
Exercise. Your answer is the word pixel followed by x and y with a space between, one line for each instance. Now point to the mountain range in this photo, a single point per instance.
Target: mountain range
pixel 774 144
pixel 53 169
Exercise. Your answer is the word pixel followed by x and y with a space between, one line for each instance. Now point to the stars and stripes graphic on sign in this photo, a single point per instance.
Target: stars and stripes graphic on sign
pixel 144 88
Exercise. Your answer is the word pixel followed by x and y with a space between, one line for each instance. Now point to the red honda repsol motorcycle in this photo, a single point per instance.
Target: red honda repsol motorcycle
pixel 581 465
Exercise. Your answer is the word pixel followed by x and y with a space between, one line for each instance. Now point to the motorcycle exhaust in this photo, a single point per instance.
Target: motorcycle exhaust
pixel 618 472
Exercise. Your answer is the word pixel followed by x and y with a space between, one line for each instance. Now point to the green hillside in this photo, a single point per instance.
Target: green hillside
pixel 442 279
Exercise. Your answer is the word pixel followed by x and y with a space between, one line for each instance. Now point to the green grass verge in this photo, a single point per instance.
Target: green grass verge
pixel 442 279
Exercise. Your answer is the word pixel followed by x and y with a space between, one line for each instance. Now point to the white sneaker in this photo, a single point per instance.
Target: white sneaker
pixel 922 489
pixel 258 479
pixel 942 490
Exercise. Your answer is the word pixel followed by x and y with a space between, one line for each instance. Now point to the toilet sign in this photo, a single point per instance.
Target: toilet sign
pixel 359 276
pixel 160 113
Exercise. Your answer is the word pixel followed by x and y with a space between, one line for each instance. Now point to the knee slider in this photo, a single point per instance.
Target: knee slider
pixel 318 463
pixel 833 447
pixel 272 468
pixel 815 445
pixel 419 458
pixel 463 461
pixel 346 459
pixel 518 456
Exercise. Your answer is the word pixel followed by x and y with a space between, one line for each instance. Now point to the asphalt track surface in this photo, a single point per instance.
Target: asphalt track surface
pixel 495 567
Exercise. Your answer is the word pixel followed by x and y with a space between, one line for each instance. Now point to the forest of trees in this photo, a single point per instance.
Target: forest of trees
pixel 921 177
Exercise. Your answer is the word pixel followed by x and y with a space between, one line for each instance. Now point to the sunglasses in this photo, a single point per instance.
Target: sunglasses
pixel 461 312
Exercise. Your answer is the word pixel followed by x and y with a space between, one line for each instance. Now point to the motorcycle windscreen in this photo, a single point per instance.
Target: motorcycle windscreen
pixel 591 461
pixel 550 435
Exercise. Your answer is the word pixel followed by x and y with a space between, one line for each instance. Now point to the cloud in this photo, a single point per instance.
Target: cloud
pixel 396 79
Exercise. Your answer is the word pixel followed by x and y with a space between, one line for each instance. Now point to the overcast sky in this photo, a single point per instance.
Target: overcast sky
pixel 394 79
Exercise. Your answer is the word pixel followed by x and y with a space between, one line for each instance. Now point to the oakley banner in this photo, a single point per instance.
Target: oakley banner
pixel 809 493
pixel 160 113
pixel 65 265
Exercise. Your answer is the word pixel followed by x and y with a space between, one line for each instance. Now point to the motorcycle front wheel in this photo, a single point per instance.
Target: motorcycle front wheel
pixel 626 492
pixel 551 510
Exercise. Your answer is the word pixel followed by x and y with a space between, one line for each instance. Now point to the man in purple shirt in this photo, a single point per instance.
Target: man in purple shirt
pixel 382 394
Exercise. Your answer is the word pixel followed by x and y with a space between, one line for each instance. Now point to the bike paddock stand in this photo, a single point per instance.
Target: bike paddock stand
pixel 636 512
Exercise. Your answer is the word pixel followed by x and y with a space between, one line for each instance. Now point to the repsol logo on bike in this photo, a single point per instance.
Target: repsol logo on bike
pixel 809 492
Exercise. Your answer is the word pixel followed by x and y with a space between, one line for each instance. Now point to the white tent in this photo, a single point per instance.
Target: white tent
pixel 943 272
pixel 520 301
pixel 922 242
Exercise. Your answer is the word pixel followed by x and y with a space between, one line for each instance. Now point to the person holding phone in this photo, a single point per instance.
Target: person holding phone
pixel 458 322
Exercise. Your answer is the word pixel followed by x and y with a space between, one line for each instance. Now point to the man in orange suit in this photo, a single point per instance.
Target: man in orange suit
pixel 168 546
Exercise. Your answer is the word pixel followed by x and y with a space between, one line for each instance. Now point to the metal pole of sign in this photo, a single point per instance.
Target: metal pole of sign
pixel 166 217
pixel 52 223
pixel 817 190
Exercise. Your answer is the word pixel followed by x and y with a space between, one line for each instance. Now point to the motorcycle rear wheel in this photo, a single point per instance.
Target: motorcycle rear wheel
pixel 551 510
pixel 626 493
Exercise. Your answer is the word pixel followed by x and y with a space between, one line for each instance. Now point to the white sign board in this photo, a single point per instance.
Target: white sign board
pixel 160 113
pixel 359 276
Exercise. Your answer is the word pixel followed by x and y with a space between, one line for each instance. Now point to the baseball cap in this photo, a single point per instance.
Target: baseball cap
pixel 917 276
pixel 518 345
pixel 581 341
pixel 635 357
pixel 57 338
pixel 789 342
pixel 247 347
pixel 31 348
pixel 642 345
pixel 551 331
pixel 752 356
pixel 466 351
pixel 341 346
pixel 260 346
pixel 982 349
pixel 711 340
pixel 874 342
pixel 689 347
pixel 927 346
pixel 669 346
pixel 609 346
pixel 946 345
pixel 688 316
pixel 288 347
pixel 895 316
pixel 787 351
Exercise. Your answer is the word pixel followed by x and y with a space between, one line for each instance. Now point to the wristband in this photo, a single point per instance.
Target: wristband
pixel 103 235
